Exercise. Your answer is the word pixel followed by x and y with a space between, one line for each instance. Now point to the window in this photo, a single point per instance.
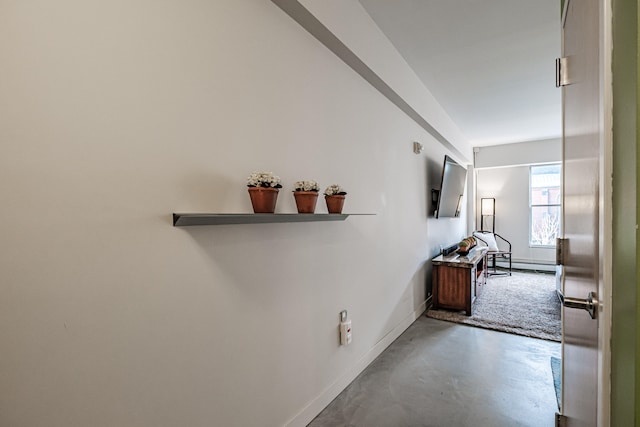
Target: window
pixel 545 195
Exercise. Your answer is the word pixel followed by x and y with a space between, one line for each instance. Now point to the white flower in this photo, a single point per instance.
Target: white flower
pixel 334 189
pixel 306 186
pixel 263 179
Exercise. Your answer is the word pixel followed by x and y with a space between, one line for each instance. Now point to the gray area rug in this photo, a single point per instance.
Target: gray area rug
pixel 523 304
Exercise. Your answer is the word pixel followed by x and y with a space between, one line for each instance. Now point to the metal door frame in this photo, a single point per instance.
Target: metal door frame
pixel 605 285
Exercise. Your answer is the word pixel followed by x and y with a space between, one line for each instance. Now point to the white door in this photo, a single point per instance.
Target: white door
pixel 581 209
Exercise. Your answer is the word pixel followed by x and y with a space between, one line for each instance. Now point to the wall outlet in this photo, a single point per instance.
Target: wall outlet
pixel 345 332
pixel 345 329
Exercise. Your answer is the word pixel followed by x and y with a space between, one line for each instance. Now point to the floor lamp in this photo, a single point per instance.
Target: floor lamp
pixel 488 208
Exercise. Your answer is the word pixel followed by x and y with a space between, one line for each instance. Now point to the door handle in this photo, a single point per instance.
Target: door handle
pixel 590 304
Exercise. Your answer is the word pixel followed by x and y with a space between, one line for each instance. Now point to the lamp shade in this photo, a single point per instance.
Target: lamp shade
pixel 488 206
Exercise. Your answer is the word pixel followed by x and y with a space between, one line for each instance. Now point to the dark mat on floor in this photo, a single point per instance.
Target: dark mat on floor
pixel 556 369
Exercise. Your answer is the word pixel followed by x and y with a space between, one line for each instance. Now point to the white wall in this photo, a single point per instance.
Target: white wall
pixel 353 26
pixel 509 185
pixel 115 114
pixel 521 153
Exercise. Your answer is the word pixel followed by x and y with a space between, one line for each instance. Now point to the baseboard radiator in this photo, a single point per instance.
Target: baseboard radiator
pixel 527 264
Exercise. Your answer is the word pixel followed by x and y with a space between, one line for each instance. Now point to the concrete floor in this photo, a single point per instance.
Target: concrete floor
pixel 444 374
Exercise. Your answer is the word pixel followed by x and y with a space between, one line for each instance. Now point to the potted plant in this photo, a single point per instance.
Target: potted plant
pixel 306 195
pixel 263 190
pixel 334 197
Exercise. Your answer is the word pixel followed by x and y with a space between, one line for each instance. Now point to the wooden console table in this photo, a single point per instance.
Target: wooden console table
pixel 457 279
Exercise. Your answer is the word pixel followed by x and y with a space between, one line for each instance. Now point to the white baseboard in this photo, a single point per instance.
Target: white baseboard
pixel 524 265
pixel 314 407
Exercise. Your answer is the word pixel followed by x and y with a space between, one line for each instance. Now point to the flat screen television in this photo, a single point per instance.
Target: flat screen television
pixel 452 184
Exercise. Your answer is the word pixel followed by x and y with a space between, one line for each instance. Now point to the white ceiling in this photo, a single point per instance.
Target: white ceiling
pixel 490 63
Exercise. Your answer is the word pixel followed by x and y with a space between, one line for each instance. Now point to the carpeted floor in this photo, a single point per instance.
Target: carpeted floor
pixel 523 304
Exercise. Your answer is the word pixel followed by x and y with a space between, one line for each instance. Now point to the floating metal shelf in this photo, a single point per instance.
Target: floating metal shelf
pixel 185 219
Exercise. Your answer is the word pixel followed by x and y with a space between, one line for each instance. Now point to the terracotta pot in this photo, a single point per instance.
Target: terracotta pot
pixel 263 199
pixel 334 203
pixel 306 201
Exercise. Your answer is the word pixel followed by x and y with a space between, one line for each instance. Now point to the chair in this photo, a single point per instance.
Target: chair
pixel 498 247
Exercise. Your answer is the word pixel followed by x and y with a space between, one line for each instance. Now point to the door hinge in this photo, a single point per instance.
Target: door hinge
pixel 562 72
pixel 561 249
pixel 561 420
